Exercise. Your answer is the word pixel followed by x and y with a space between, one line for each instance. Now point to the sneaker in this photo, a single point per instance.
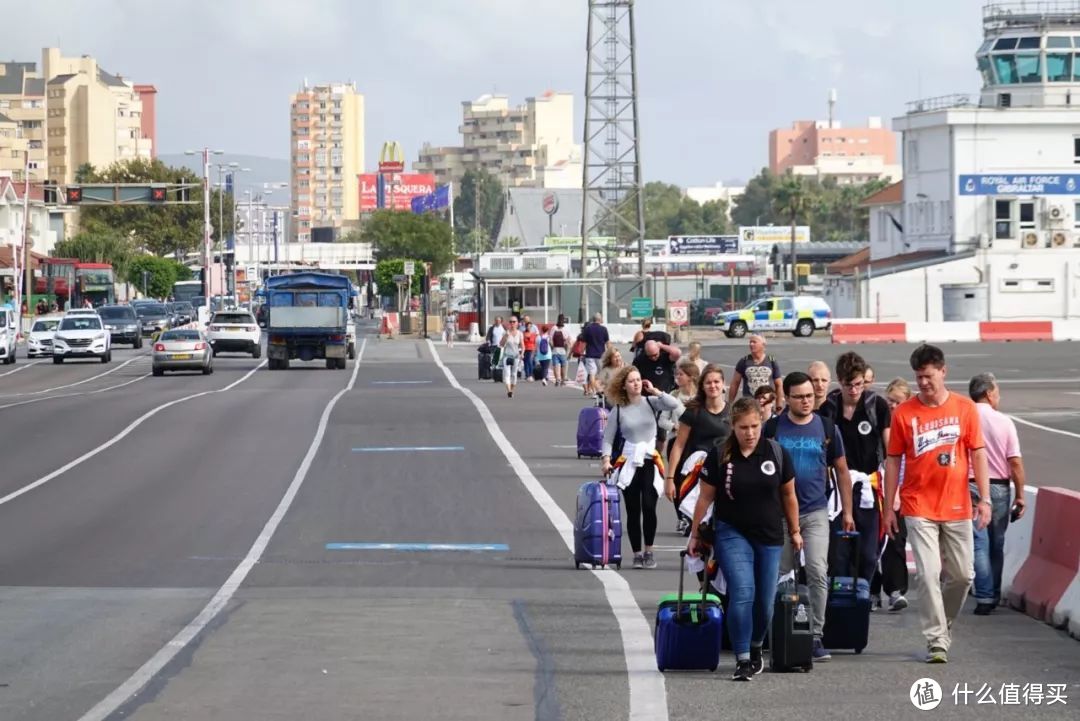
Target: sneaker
pixel 509 394
pixel 639 561
pixel 984 609
pixel 544 381
pixel 649 560
pixel 757 663
pixel 937 655
pixel 875 605
pixel 897 602
pixel 684 526
pixel 820 653
pixel 744 671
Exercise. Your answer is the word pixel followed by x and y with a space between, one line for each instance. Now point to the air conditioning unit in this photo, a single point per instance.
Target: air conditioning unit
pixel 1059 239
pixel 1030 239
pixel 1055 214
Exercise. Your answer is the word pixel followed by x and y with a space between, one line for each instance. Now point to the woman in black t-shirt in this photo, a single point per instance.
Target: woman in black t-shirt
pixel 750 483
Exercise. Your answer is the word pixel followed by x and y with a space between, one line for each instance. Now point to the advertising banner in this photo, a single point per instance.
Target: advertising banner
pixel 399 192
pixel 702 244
pixel 1011 184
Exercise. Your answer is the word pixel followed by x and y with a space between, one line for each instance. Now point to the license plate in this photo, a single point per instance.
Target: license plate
pixel 233 329
pixel 181 356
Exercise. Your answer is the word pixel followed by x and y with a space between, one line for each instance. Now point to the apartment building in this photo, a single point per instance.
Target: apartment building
pixel 530 145
pixel 326 156
pixel 22 119
pixel 823 148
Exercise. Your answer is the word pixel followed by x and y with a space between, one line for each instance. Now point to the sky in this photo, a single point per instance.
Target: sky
pixel 714 75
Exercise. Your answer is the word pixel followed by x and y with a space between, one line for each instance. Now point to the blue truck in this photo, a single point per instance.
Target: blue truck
pixel 308 318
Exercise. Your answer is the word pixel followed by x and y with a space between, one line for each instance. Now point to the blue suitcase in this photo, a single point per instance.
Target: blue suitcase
pixel 688 629
pixel 847 611
pixel 590 432
pixel 598 526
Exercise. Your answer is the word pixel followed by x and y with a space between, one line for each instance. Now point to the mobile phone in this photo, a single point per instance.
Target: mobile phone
pixel 1015 515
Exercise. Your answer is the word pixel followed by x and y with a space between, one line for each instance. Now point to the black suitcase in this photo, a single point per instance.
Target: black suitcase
pixel 497 374
pixel 791 636
pixel 538 372
pixel 483 363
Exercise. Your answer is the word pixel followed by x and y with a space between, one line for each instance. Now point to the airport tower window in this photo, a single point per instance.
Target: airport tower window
pixel 1003 227
pixel 1006 44
pixel 1076 67
pixel 1029 67
pixel 1005 66
pixel 1029 43
pixel 1027 215
pixel 1059 41
pixel 1076 149
pixel 1059 67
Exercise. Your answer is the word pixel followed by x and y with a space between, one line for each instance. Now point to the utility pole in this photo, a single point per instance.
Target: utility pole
pixel 28 274
pixel 206 153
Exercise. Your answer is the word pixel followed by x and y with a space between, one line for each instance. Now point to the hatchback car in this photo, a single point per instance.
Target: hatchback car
pixel 122 323
pixel 235 330
pixel 40 341
pixel 182 349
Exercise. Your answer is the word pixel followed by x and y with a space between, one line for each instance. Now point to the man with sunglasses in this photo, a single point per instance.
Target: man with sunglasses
pixel 815 447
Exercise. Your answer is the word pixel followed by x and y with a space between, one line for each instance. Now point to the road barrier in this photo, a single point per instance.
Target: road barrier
pixel 859 331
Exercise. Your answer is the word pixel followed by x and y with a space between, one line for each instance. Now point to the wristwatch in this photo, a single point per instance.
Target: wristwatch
pixel 987 501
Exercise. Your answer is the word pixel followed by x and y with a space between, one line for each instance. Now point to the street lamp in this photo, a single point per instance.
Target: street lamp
pixel 224 170
pixel 206 153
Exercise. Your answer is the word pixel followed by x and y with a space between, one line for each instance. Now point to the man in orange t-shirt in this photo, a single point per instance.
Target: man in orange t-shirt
pixel 934 432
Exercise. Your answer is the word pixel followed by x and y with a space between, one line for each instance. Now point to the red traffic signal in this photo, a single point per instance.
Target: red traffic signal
pixel 157 195
pixel 74 194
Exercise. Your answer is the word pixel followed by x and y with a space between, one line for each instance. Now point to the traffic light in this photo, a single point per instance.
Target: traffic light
pixel 183 194
pixel 158 194
pixel 450 283
pixel 74 194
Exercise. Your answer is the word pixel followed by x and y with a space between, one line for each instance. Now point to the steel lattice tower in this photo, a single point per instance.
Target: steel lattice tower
pixel 613 204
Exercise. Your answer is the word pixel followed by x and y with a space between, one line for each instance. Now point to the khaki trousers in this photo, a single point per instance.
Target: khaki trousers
pixel 945 559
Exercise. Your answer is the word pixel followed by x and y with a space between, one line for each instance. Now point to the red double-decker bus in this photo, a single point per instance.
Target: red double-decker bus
pixel 95 282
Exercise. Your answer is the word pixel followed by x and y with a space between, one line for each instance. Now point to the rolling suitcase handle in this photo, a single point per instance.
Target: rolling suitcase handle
pixel 853 558
pixel 700 615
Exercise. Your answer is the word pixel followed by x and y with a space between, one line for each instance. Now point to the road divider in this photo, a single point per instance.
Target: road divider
pixel 859 331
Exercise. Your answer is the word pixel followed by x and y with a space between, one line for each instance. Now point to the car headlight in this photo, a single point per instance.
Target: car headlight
pixel 100 336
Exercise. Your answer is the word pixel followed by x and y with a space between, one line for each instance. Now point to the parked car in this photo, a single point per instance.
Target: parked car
pixel 236 331
pixel 81 336
pixel 9 331
pixel 703 311
pixel 800 315
pixel 182 349
pixel 122 323
pixel 185 311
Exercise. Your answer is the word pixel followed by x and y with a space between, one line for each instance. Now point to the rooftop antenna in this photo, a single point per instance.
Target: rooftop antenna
pixel 832 106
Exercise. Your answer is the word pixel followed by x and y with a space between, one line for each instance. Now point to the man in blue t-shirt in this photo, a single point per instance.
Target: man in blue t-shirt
pixel 596 340
pixel 815 447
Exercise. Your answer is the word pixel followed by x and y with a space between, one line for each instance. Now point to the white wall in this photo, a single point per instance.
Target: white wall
pixel 885 240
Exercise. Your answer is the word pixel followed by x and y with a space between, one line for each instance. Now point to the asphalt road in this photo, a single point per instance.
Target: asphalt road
pixel 116 550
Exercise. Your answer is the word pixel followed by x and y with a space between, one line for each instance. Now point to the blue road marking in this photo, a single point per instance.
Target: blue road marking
pixel 406 449
pixel 469 547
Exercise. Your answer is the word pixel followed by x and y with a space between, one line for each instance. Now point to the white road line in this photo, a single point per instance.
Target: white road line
pixel 72 395
pixel 79 383
pixel 648 694
pixel 23 367
pixel 1041 427
pixel 120 436
pixel 145 673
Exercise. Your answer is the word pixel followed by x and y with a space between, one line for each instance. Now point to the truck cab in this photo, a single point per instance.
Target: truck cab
pixel 307 319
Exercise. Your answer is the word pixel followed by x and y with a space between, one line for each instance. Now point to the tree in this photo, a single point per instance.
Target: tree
pixel 385 270
pixel 755 205
pixel 98 243
pixel 793 201
pixel 668 211
pixel 159 229
pixel 161 274
pixel 485 214
pixel 402 234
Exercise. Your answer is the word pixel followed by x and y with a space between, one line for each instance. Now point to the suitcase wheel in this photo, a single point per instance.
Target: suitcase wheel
pixel 808 667
pixel 713 669
pixel 577 565
pixel 858 650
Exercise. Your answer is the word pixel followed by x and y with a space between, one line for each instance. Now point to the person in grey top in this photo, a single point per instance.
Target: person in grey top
pixel 631 437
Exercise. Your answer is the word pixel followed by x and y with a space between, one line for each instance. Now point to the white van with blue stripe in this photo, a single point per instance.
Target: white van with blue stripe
pixel 800 315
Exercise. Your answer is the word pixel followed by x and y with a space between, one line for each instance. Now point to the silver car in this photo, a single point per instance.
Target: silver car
pixel 182 349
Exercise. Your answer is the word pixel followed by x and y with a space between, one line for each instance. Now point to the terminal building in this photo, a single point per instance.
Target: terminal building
pixel 986 223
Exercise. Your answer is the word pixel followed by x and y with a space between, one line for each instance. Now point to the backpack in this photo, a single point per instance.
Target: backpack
pixel 558 339
pixel 543 346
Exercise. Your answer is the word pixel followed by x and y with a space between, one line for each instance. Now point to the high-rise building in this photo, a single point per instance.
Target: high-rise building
pixel 326 156
pixel 822 149
pixel 530 145
pixel 22 105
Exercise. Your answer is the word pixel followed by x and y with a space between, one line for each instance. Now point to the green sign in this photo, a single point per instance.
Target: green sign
pixel 641 308
pixel 574 241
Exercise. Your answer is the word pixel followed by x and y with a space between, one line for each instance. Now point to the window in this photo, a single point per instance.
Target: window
pixel 1029 67
pixel 785 304
pixel 1059 67
pixel 913 154
pixel 1076 149
pixel 1005 44
pixel 1058 41
pixel 1027 285
pixel 1027 215
pixel 500 297
pixel 1003 227
pixel 502 263
pixel 1005 66
pixel 534 263
pixel 1028 43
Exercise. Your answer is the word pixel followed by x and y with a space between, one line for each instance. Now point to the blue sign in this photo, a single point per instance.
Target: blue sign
pixel 436 200
pixel 703 244
pixel 1011 184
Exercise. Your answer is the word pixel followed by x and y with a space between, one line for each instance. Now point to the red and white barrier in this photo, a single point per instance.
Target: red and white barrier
pixel 844 331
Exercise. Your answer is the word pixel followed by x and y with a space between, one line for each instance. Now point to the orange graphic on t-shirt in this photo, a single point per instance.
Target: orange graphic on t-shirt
pixel 935 443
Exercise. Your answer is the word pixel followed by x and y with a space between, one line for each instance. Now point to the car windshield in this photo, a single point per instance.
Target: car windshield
pixel 116 313
pixel 182 335
pixel 85 322
pixel 183 307
pixel 241 318
pixel 45 325
pixel 150 310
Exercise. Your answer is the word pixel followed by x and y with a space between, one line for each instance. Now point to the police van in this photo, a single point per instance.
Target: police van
pixel 800 315
pixel 9 333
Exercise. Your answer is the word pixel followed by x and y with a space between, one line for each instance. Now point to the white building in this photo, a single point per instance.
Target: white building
pixel 991 191
pixel 711 193
pixel 530 145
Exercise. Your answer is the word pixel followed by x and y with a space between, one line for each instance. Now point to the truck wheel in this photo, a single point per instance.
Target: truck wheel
pixel 738 329
pixel 804 328
pixel 284 364
pixel 58 359
pixel 341 363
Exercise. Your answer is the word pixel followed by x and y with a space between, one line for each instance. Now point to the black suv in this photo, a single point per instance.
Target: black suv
pixel 122 324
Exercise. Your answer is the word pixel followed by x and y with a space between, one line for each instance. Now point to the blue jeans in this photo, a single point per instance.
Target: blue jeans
pixel 529 364
pixel 751 570
pixel 990 544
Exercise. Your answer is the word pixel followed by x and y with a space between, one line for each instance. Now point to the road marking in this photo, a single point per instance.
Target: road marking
pixel 73 395
pixel 1019 381
pixel 105 708
pixel 23 367
pixel 472 547
pixel 79 383
pixel 1048 429
pixel 406 449
pixel 399 383
pixel 648 693
pixel 120 436
pixel 571 447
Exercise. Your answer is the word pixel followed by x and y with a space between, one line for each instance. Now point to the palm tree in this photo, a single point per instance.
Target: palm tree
pixel 792 200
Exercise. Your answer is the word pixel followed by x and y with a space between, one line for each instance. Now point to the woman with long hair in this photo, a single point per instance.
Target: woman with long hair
pixel 748 489
pixel 610 364
pixel 630 452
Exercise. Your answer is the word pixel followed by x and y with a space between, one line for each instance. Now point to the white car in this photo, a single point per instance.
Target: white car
pixel 40 341
pixel 350 339
pixel 82 311
pixel 81 336
pixel 236 331
pixel 9 333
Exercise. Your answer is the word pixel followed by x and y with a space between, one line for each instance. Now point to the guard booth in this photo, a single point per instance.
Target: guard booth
pixel 541 294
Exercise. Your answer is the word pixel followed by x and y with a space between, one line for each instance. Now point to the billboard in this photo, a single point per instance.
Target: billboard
pixel 702 244
pixel 399 192
pixel 764 236
pixel 1034 184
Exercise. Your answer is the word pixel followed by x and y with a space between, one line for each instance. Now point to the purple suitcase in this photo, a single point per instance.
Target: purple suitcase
pixel 590 432
pixel 598 526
